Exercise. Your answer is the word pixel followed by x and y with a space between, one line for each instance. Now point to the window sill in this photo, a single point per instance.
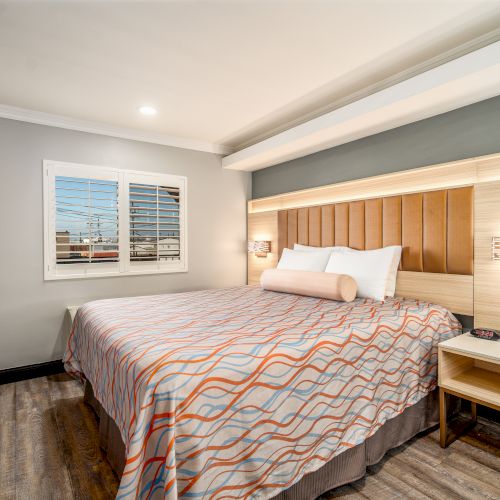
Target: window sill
pixel 112 274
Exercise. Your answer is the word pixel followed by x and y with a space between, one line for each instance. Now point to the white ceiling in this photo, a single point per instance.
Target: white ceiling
pixel 219 72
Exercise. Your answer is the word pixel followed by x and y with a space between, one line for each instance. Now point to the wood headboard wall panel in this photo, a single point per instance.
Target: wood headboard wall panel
pixel 460 228
pixel 435 228
pixel 411 232
pixel 406 211
pixel 391 221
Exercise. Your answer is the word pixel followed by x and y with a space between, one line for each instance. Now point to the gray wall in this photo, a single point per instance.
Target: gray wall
pixel 33 328
pixel 470 131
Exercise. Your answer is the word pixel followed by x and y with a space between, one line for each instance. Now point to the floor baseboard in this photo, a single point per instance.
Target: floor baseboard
pixel 31 371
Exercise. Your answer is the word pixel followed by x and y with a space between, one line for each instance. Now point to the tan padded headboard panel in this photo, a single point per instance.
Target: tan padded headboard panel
pixel 435 228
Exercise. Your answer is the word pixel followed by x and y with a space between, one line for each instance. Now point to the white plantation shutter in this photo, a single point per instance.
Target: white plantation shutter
pixel 86 220
pixel 103 221
pixel 154 223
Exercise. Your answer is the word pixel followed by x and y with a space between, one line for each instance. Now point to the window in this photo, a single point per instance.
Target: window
pixel 86 220
pixel 110 222
pixel 154 223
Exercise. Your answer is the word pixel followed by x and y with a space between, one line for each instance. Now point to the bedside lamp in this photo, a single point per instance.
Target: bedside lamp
pixel 259 248
pixel 495 248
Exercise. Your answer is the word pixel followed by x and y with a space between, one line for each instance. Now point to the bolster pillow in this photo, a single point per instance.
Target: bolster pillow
pixel 313 284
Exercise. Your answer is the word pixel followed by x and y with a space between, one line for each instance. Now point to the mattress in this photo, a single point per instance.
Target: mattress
pixel 238 393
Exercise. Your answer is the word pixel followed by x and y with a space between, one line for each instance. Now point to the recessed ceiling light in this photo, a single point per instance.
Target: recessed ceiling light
pixel 148 110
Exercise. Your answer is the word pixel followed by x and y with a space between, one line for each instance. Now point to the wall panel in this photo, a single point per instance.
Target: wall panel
pixel 460 231
pixel 411 232
pixel 373 224
pixel 327 225
pixel 292 228
pixel 357 225
pixel 391 223
pixel 282 231
pixel 315 226
pixel 342 224
pixel 434 232
pixel 303 226
pixel 486 270
pixel 435 228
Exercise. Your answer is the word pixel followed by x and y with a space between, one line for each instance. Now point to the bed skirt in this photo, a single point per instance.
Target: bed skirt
pixel 342 469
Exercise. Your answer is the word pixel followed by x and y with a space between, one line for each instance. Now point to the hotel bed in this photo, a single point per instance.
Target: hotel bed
pixel 248 393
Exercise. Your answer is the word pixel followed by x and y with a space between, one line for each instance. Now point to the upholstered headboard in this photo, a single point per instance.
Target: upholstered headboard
pixel 445 216
pixel 435 228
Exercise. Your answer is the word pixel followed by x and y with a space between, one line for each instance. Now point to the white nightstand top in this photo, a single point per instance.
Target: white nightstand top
pixel 471 346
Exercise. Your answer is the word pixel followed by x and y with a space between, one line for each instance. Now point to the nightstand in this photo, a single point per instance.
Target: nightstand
pixel 469 368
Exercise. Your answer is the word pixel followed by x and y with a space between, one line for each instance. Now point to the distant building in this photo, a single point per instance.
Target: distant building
pixel 169 247
pixel 66 249
pixel 62 244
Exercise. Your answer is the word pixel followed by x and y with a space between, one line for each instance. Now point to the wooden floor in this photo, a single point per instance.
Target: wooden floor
pixel 49 450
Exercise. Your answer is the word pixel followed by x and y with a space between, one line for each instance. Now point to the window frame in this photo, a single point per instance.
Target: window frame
pixel 125 267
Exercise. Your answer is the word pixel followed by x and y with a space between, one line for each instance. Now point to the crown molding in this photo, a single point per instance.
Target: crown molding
pixel 59 121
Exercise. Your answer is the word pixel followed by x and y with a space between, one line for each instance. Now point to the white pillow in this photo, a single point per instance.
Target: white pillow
pixel 373 270
pixel 394 250
pixel 306 248
pixel 303 261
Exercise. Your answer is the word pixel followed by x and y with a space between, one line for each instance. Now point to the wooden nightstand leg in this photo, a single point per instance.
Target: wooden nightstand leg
pixel 473 411
pixel 442 418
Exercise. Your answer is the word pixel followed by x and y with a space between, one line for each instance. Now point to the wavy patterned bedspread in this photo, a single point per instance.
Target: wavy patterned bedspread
pixel 239 392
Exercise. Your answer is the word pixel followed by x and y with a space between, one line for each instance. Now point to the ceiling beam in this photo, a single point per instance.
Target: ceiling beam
pixel 467 79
